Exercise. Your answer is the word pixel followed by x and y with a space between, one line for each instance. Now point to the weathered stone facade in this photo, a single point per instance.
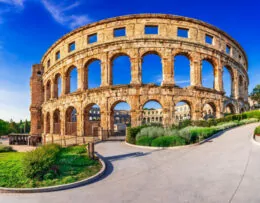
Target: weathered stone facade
pixel 48 109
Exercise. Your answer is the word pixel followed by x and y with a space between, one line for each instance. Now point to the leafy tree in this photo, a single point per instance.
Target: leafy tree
pixel 255 95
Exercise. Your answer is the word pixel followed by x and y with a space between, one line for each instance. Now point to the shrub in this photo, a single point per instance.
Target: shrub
pixel 4 148
pixel 144 141
pixel 37 163
pixel 131 133
pixel 257 131
pixel 152 132
pixel 184 123
pixel 168 141
pixel 247 121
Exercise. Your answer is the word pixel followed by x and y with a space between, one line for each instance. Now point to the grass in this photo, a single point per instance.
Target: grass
pixel 4 148
pixel 73 165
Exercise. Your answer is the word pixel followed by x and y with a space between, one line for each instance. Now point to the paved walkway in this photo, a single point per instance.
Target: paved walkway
pixel 225 169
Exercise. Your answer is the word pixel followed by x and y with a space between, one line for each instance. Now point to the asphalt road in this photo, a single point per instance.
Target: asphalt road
pixel 225 169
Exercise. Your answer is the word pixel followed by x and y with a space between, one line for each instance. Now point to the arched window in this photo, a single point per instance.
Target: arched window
pixel 56 122
pixel 209 111
pixel 227 81
pixel 150 107
pixel 48 123
pixel 48 90
pixel 71 121
pixel 72 80
pixel 182 71
pixel 91 120
pixel 57 86
pixel 93 74
pixel 151 69
pixel 121 70
pixel 207 74
pixel 182 114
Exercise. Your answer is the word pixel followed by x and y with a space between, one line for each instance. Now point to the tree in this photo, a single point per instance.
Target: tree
pixel 255 95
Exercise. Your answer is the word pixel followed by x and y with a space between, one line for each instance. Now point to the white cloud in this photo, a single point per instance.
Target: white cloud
pixel 182 81
pixel 60 13
pixel 19 3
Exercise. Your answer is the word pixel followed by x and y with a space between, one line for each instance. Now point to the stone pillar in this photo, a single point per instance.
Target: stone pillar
pixel 52 96
pixel 51 123
pixel 218 83
pixel 80 78
pixel 80 120
pixel 167 63
pixel 63 122
pixel 106 72
pixel 196 110
pixel 136 64
pixel 195 72
pixel 236 84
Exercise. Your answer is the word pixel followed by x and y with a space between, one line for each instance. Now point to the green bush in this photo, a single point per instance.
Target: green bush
pixel 131 134
pixel 152 132
pixel 257 131
pixel 144 141
pixel 37 163
pixel 4 148
pixel 168 141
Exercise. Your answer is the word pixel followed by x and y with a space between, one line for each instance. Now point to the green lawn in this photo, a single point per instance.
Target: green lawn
pixel 72 164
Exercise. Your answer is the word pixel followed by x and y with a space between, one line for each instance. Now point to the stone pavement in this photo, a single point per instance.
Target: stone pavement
pixel 224 169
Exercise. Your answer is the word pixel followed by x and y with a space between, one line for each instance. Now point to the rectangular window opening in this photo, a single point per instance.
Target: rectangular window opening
pixel 183 32
pixel 228 49
pixel 92 38
pixel 151 30
pixel 119 32
pixel 72 46
pixel 209 39
pixel 48 63
pixel 57 55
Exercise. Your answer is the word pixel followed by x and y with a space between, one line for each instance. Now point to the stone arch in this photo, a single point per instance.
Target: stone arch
pixel 184 112
pixel 149 114
pixel 231 74
pixel 230 108
pixel 155 74
pixel 209 110
pixel 48 90
pixel 48 124
pixel 92 117
pixel 182 79
pixel 206 62
pixel 91 74
pixel 120 118
pixel 56 122
pixel 57 85
pixel 71 121
pixel 70 81
pixel 114 64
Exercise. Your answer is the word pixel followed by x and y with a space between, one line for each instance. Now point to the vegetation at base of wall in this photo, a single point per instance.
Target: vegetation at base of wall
pixel 175 136
pixel 71 164
pixel 13 127
pixel 4 148
pixel 257 131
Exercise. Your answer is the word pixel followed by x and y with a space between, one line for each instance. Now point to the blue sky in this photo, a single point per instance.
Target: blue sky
pixel 29 27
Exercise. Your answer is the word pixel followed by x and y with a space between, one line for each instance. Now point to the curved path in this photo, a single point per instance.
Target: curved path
pixel 224 169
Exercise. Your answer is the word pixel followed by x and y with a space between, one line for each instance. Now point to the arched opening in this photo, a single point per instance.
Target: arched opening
pixel 48 90
pixel 227 81
pixel 57 86
pixel 242 110
pixel 72 80
pixel 48 126
pixel 120 118
pixel 71 121
pixel 152 112
pixel 182 111
pixel 207 72
pixel 151 69
pixel 92 117
pixel 121 70
pixel 182 71
pixel 229 109
pixel 93 74
pixel 56 122
pixel 209 111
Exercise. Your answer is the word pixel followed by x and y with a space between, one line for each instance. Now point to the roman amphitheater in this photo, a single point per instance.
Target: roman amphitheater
pixel 56 111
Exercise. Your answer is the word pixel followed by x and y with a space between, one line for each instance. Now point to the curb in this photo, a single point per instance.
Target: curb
pixel 177 147
pixel 59 187
pixel 254 140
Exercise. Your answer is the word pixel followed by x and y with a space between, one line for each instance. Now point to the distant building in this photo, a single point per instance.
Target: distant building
pixel 152 116
pixel 253 104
